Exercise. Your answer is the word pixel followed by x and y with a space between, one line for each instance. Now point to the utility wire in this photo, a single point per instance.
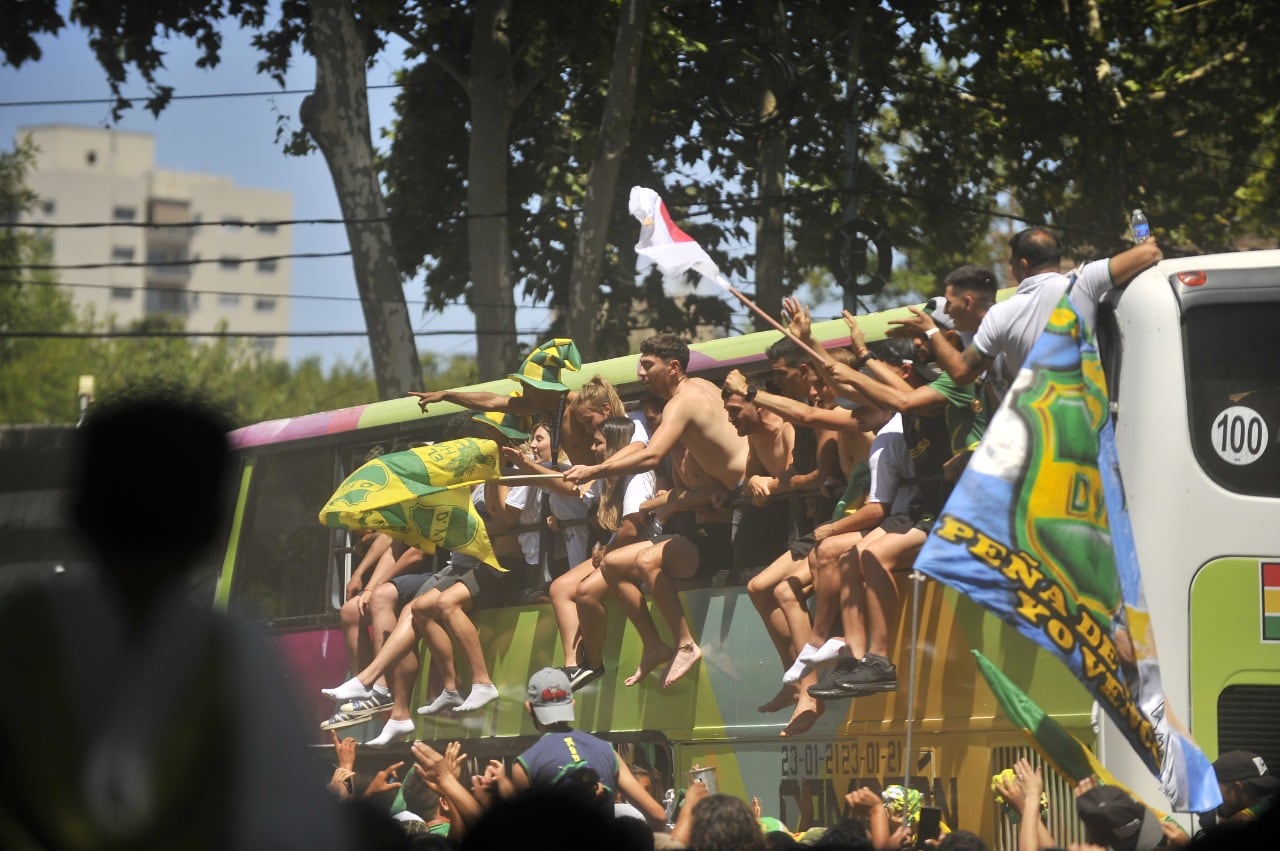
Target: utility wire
pixel 205 96
pixel 294 296
pixel 151 264
pixel 111 335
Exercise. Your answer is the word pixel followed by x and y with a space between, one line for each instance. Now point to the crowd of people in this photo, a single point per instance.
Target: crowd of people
pixel 576 788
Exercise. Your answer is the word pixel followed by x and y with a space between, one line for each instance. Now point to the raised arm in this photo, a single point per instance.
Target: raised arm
pixel 791 410
pixel 636 794
pixel 1128 264
pixel 674 419
pixel 964 367
pixel 476 400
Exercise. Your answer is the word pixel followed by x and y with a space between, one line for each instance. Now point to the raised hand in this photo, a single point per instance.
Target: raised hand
pixel 385 780
pixel 800 322
pixel 425 398
pixel 344 751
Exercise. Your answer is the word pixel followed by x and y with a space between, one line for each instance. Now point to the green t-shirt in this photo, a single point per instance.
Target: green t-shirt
pixel 966 414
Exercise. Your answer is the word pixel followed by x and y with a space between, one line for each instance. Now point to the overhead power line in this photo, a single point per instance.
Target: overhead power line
pixel 110 335
pixel 294 296
pixel 205 96
pixel 190 261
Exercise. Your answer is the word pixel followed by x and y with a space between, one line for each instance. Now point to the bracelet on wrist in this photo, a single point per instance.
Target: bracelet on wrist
pixel 929 333
pixel 864 356
pixel 750 395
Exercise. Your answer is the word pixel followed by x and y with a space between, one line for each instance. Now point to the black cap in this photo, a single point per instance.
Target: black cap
pixel 1244 765
pixel 1114 818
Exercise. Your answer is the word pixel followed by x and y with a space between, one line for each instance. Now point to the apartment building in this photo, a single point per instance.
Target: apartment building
pixel 88 174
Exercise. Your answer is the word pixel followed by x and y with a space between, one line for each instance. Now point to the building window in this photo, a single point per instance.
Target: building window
pixel 121 293
pixel 48 206
pixel 122 213
pixel 267 266
pixel 229 264
pixel 122 254
pixel 91 157
pixel 267 228
pixel 264 305
pixel 229 301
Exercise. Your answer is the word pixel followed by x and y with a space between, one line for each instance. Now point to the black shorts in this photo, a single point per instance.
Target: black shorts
pixel 761 535
pixel 714 542
pixel 481 581
pixel 407 586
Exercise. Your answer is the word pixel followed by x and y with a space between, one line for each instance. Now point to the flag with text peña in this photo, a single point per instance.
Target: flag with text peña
pixel 1037 532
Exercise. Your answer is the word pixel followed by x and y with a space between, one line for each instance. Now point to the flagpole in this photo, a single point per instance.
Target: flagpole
pixel 917 579
pixel 751 305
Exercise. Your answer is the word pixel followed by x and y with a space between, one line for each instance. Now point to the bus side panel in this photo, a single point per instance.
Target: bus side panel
pixel 1235 655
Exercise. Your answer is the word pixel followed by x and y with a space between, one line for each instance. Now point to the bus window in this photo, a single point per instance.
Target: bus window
pixel 1249 719
pixel 1232 352
pixel 281 569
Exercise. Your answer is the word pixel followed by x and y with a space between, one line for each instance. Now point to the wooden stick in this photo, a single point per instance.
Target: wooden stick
pixel 786 332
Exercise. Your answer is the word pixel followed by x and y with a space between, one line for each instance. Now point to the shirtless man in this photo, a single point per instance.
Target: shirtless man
pixel 693 418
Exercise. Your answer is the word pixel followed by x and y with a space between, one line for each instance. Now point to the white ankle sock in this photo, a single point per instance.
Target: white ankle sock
pixel 444 700
pixel 797 670
pixel 380 690
pixel 391 731
pixel 352 689
pixel 482 694
pixel 828 652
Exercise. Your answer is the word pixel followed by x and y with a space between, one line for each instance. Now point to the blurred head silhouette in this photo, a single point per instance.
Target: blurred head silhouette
pixel 148 490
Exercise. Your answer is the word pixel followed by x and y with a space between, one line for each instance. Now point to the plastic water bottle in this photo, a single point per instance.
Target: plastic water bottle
pixel 1138 224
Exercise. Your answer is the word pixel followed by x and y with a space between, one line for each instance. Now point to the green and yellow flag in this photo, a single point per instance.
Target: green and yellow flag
pixel 1069 756
pixel 421 496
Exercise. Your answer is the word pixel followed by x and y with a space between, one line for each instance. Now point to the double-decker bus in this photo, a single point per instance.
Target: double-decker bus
pixel 1193 362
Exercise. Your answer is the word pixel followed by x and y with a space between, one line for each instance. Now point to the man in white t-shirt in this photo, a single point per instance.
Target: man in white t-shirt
pixel 1011 327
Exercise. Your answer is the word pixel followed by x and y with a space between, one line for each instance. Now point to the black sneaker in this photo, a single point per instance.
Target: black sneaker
pixel 828 687
pixel 535 595
pixel 874 674
pixel 581 675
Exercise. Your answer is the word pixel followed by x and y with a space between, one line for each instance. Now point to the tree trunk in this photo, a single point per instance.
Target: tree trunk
pixel 488 232
pixel 336 115
pixel 771 172
pixel 602 179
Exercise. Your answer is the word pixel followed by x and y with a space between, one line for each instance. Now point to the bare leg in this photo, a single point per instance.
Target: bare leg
pixel 761 590
pixel 790 594
pixel 808 709
pixel 562 593
pixel 453 605
pixel 879 558
pixel 619 569
pixel 355 636
pixel 441 647
pixel 402 640
pixel 383 616
pixel 589 601
pixel 824 565
pixel 853 598
pixel 677 557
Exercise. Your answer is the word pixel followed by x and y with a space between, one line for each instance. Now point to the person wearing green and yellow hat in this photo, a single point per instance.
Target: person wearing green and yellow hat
pixel 543 394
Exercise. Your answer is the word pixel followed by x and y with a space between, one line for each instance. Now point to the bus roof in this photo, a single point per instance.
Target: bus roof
pixel 710 357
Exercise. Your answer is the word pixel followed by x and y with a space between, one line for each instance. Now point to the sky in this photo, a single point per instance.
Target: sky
pixel 236 137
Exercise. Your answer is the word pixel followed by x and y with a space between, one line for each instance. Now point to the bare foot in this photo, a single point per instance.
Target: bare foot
pixel 650 659
pixel 808 710
pixel 786 696
pixel 687 655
